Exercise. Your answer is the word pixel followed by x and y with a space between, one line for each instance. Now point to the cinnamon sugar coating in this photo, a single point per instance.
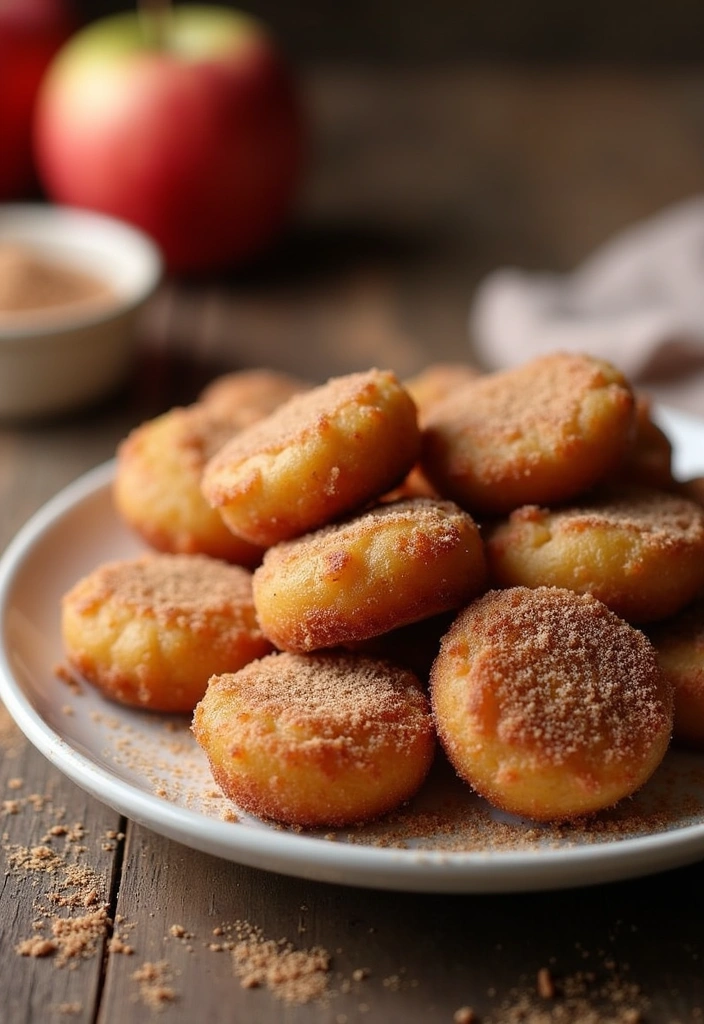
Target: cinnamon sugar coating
pixel 157 485
pixel 436 381
pixel 548 704
pixel 679 643
pixel 246 396
pixel 395 564
pixel 149 632
pixel 316 740
pixel 540 433
pixel 638 550
pixel 321 455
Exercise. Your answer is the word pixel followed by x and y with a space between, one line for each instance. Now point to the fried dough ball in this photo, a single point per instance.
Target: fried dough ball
pixel 149 632
pixel 319 740
pixel 649 460
pixel 395 564
pixel 679 643
pixel 538 434
pixel 436 381
pixel 638 550
pixel 246 396
pixel 548 704
pixel 157 485
pixel 319 456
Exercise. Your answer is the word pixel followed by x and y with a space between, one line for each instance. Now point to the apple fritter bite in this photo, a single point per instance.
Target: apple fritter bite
pixel 149 632
pixel 538 434
pixel 319 456
pixel 157 488
pixel 398 563
pixel 638 550
pixel 317 740
pixel 548 704
pixel 246 396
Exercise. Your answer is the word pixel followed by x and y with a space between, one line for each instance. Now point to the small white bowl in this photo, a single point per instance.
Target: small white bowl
pixel 53 361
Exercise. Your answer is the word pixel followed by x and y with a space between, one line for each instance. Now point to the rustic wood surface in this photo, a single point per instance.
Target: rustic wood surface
pixel 419 183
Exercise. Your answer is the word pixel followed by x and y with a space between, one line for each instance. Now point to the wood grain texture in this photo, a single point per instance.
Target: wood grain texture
pixel 427 955
pixel 420 183
pixel 36 798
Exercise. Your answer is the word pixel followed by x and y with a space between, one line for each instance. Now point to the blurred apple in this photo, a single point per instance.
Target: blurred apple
pixel 188 125
pixel 31 31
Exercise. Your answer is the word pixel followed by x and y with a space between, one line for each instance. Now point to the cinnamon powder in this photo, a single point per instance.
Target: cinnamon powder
pixel 32 283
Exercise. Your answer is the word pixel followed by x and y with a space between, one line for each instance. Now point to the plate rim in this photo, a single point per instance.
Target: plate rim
pixel 315 858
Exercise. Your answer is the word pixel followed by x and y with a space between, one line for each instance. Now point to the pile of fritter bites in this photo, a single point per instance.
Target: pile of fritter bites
pixel 341 578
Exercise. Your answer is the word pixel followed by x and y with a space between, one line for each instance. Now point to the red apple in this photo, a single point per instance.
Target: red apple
pixel 31 31
pixel 196 137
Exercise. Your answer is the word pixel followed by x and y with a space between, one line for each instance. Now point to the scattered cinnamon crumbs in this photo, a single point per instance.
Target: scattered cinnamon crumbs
pixel 36 946
pixel 116 945
pixel 39 858
pixel 66 675
pixel 54 869
pixel 585 997
pixel 291 975
pixel 154 988
pixel 79 937
pixel 72 938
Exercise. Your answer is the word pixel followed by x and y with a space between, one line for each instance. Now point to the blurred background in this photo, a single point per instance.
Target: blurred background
pixel 446 139
pixel 422 31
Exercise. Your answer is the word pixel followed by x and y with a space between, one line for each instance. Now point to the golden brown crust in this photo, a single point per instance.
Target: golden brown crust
pixel 548 704
pixel 316 740
pixel 157 485
pixel 538 434
pixel 436 381
pixel 395 564
pixel 150 631
pixel 246 396
pixel 679 643
pixel 319 456
pixel 638 550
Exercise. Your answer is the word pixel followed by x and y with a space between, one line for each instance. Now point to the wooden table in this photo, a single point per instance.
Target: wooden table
pixel 420 182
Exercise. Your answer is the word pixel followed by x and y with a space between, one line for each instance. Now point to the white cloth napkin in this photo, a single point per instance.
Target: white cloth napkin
pixel 637 301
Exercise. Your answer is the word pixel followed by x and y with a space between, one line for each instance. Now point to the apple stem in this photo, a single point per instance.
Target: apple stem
pixel 155 16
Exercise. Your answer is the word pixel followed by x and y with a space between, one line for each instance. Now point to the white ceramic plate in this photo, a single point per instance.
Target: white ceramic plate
pixel 149 768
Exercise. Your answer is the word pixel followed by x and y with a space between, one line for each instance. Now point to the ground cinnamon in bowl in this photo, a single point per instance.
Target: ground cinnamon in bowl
pixel 33 284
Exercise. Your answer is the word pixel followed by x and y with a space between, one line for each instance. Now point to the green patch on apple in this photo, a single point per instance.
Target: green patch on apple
pixel 185 121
